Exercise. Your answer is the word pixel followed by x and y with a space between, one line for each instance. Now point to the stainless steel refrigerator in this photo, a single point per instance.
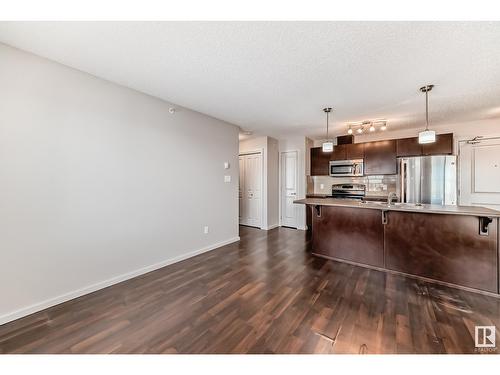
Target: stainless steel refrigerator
pixel 428 179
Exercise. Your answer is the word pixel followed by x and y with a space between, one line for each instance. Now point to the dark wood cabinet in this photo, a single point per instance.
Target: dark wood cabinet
pixel 319 162
pixel 442 146
pixel 339 152
pixel 447 248
pixel 408 147
pixel 351 234
pixel 380 157
pixel 355 151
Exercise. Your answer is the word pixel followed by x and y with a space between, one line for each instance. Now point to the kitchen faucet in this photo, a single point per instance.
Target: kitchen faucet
pixel 390 196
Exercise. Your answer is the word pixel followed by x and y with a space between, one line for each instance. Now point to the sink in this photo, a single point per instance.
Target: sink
pixel 396 204
pixel 374 203
pixel 412 205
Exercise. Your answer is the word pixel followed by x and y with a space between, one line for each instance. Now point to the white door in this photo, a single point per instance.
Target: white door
pixel 479 177
pixel 241 190
pixel 251 190
pixel 288 189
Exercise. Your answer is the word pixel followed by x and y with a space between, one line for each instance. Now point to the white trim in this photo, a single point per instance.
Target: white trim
pixel 296 183
pixel 106 283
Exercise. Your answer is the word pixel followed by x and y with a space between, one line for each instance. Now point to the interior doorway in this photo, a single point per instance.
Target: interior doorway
pixel 288 188
pixel 250 189
pixel 479 172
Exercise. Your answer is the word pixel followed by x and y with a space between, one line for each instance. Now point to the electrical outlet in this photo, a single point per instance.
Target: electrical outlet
pixel 227 178
pixel 205 229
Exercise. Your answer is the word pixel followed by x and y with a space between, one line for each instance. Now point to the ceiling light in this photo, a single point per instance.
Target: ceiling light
pixel 328 144
pixel 360 130
pixel 384 126
pixel 427 136
pixel 349 131
pixel 372 128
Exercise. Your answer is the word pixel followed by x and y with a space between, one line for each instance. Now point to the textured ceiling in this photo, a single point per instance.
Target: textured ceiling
pixel 275 77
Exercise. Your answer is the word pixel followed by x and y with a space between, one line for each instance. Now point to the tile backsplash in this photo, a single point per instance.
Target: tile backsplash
pixel 375 185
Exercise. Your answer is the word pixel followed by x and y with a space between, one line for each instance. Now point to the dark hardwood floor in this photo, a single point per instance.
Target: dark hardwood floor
pixel 265 294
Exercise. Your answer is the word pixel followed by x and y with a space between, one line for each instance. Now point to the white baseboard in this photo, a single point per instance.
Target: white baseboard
pixel 104 284
pixel 271 227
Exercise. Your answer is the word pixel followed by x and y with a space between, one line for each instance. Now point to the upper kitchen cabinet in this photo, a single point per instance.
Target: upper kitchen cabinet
pixel 442 146
pixel 319 162
pixel 408 147
pixel 354 151
pixel 339 153
pixel 380 157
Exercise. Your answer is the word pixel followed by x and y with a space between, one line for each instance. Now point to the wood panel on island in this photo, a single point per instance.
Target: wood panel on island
pixel 455 249
pixel 349 233
pixel 448 248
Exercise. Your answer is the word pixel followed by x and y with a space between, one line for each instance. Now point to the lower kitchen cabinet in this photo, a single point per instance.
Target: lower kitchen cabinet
pixel 447 248
pixel 351 234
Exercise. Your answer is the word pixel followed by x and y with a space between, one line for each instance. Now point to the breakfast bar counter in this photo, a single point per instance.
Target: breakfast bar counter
pixel 408 207
pixel 454 245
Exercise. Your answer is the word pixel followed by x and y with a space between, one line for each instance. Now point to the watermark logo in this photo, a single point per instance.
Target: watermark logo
pixel 484 337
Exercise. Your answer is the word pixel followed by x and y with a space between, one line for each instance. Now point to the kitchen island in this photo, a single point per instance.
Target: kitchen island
pixel 454 245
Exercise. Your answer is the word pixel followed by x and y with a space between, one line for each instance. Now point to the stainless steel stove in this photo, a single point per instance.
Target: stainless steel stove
pixel 349 191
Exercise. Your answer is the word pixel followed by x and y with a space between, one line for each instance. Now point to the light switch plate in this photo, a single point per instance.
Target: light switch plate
pixel 227 178
pixel 226 165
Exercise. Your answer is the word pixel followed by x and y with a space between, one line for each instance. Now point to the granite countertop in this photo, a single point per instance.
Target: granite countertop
pixel 407 207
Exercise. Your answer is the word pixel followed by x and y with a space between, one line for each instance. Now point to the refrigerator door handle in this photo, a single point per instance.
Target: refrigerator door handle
pixel 403 175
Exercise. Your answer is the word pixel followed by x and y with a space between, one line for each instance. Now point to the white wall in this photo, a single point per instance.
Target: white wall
pixel 99 183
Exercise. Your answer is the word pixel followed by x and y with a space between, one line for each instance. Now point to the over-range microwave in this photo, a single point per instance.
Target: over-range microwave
pixel 346 168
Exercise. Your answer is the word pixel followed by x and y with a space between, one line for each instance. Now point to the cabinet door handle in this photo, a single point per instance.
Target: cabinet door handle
pixel 384 217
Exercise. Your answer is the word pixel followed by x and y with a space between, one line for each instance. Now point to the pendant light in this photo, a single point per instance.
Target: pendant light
pixel 427 136
pixel 328 145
